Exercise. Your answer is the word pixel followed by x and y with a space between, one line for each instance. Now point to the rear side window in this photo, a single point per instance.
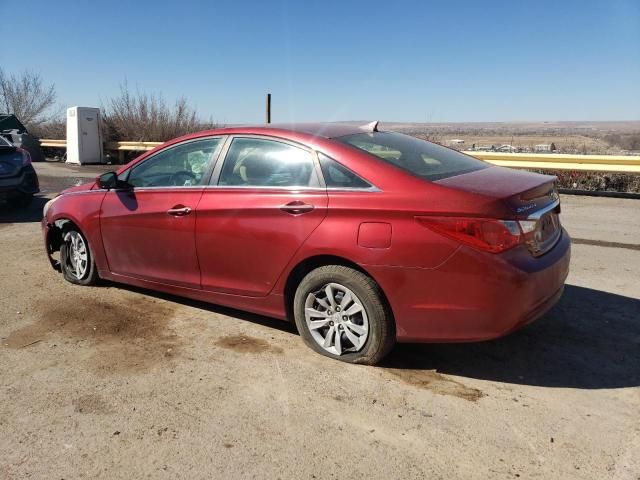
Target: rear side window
pixel 255 162
pixel 418 157
pixel 338 176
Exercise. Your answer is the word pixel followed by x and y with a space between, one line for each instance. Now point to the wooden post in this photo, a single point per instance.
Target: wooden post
pixel 268 108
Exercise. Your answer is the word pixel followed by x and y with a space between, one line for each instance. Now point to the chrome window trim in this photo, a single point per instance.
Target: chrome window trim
pixel 318 189
pixel 168 187
pixel 222 157
pixel 371 189
pixel 264 187
pixel 219 163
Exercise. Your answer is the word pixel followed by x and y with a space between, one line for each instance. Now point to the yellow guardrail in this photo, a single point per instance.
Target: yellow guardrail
pixel 47 142
pixel 121 147
pixel 132 146
pixel 559 161
pixel 550 161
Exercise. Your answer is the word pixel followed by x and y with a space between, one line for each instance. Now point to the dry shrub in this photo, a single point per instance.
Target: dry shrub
pixel 27 97
pixel 54 128
pixel 148 118
pixel 595 181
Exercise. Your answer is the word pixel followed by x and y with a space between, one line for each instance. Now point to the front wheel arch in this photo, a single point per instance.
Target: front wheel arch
pixel 62 227
pixel 56 232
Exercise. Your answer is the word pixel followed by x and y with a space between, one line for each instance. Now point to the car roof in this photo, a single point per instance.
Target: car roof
pixel 324 130
pixel 292 131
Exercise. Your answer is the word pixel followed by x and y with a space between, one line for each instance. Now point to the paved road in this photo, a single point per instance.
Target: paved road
pixel 115 382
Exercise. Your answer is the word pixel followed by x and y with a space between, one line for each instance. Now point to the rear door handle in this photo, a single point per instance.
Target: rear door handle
pixel 296 207
pixel 179 211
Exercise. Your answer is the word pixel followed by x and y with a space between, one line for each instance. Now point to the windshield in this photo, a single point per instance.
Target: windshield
pixel 418 157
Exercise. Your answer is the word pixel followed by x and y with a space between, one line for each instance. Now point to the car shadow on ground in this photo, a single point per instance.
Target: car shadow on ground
pixel 268 322
pixel 589 340
pixel 30 213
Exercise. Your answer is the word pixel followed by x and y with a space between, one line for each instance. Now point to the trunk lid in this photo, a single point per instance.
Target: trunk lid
pixel 523 192
pixel 529 197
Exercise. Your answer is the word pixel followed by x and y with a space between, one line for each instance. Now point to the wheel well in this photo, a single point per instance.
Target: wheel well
pixel 56 229
pixel 303 268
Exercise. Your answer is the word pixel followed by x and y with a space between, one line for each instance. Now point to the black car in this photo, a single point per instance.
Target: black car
pixel 18 179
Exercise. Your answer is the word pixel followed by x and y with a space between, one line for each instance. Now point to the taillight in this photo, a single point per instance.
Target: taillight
pixel 529 228
pixel 488 234
pixel 26 156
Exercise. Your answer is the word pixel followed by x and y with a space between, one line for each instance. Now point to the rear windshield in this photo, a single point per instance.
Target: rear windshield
pixel 418 157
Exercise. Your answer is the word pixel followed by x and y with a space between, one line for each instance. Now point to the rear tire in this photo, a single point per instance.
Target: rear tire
pixel 341 313
pixel 76 258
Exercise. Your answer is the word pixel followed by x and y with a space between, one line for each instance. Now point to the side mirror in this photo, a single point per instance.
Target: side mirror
pixel 110 180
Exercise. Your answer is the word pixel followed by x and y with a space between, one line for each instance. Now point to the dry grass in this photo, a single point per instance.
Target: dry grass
pixel 568 137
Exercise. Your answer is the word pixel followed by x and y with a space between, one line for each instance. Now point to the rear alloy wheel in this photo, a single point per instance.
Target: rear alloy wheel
pixel 76 260
pixel 340 313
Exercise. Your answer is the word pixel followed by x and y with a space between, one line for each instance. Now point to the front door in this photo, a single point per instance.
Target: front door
pixel 265 203
pixel 148 229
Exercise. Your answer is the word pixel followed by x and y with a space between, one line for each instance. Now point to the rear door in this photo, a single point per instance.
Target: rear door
pixel 148 230
pixel 266 198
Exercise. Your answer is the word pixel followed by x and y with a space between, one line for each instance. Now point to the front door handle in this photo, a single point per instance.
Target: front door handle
pixel 179 211
pixel 296 207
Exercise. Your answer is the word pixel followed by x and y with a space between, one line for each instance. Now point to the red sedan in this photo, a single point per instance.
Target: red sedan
pixel 363 237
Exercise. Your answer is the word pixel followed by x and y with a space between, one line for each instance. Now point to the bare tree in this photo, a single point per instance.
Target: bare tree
pixel 27 96
pixel 147 117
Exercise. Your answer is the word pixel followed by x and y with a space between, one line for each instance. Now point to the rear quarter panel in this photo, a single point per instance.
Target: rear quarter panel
pixel 399 198
pixel 410 245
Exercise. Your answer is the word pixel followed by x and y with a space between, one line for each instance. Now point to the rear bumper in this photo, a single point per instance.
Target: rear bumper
pixel 25 183
pixel 474 296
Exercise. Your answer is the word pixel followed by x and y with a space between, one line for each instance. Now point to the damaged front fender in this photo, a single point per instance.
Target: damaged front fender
pixel 53 240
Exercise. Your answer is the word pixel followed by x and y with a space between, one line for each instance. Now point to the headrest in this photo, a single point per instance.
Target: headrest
pixel 257 169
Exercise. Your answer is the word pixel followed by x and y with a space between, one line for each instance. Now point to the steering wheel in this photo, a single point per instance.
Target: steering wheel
pixel 179 179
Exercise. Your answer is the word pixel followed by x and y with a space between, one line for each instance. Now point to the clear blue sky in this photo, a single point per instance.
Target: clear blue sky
pixel 341 60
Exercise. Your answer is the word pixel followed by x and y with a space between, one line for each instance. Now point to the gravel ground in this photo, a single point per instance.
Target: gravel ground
pixel 116 382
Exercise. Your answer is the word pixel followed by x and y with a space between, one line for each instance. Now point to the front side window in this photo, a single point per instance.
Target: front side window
pixel 418 157
pixel 255 162
pixel 184 165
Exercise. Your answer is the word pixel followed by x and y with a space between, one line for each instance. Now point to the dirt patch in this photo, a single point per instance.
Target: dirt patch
pixel 437 383
pixel 246 344
pixel 131 334
pixel 94 404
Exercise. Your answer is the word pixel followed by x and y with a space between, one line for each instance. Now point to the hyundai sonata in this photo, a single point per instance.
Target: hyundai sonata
pixel 362 237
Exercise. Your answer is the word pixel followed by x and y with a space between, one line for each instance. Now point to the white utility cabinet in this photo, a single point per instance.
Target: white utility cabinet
pixel 84 135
